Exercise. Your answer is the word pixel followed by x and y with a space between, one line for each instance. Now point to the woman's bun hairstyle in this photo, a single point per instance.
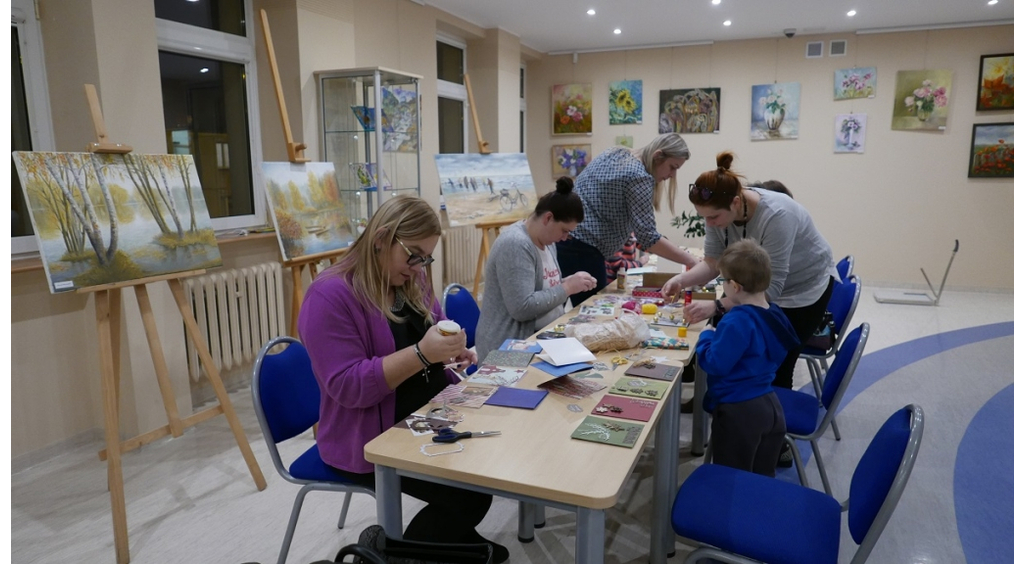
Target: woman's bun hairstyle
pixel 564 204
pixel 564 185
pixel 724 160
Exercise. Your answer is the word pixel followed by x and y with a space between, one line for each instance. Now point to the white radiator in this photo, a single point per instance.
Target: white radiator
pixel 461 249
pixel 237 310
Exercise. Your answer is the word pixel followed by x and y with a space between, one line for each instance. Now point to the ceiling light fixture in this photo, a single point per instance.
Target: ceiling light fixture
pixel 727 23
pixel 617 31
pixel 591 12
pixel 851 13
pixel 993 2
pixel 204 70
pixel 716 2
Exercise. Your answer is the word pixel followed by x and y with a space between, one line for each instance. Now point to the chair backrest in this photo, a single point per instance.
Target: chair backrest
pixel 840 372
pixel 881 475
pixel 845 267
pixel 460 306
pixel 285 393
pixel 843 303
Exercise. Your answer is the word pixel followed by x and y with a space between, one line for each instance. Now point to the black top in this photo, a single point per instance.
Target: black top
pixel 418 390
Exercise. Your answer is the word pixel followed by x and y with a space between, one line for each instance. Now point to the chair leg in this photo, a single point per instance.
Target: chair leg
pixel 821 467
pixel 292 521
pixel 344 510
pixel 812 369
pixel 799 461
pixel 835 423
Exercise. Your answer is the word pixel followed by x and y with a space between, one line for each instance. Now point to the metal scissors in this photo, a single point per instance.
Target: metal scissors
pixel 450 435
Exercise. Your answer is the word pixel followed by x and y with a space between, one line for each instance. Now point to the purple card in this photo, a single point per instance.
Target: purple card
pixel 515 397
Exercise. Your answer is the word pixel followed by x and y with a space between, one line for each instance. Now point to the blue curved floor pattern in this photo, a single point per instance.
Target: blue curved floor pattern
pixel 984 511
pixel 977 517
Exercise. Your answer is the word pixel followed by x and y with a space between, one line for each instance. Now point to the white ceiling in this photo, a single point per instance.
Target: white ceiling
pixel 555 26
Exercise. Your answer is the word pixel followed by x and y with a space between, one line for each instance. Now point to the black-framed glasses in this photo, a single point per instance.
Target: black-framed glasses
pixel 415 259
pixel 701 191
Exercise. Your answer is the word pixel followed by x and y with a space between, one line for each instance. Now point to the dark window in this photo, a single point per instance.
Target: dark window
pixel 449 63
pixel 21 139
pixel 450 131
pixel 205 116
pixel 219 15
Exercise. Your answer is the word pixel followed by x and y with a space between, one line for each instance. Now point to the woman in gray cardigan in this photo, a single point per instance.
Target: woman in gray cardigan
pixel 525 290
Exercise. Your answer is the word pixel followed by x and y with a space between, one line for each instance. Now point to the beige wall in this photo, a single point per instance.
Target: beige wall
pixel 896 208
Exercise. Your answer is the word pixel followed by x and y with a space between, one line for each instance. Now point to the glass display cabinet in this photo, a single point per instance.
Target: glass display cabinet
pixel 370 119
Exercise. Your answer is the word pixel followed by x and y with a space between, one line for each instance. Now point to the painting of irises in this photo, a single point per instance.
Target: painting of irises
pixel 991 151
pixel 569 160
pixel 309 215
pixel 572 107
pixel 625 102
pixel 103 219
pixel 861 82
pixel 851 130
pixel 995 86
pixel 691 110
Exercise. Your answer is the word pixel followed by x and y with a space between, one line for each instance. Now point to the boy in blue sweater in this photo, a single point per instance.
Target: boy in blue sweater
pixel 740 357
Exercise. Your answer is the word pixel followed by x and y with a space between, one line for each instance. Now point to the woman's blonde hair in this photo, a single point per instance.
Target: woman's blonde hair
pixel 670 146
pixel 403 217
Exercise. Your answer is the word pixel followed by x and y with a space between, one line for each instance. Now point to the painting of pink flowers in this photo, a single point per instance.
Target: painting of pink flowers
pixel 859 82
pixel 572 106
pixel 922 99
pixel 569 160
pixel 851 129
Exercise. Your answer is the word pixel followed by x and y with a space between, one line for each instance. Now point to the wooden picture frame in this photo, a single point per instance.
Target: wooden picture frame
pixel 991 151
pixel 993 92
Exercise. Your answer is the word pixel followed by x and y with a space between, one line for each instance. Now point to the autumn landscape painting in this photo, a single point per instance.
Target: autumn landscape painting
pixel 309 214
pixel 103 219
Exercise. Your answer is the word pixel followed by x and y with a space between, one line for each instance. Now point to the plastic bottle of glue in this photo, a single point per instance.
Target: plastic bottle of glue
pixel 448 327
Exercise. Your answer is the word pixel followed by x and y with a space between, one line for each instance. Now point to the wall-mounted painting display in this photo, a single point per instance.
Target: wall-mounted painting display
pixel 995 83
pixel 624 141
pixel 308 213
pixel 569 160
pixel 625 102
pixel 402 124
pixel 482 188
pixel 991 151
pixel 572 106
pixel 861 82
pixel 775 111
pixel 851 130
pixel 922 99
pixel 366 176
pixel 690 110
pixel 102 219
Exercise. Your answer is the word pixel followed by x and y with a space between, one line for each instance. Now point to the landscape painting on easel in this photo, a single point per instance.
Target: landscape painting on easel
pixel 102 219
pixel 308 212
pixel 483 188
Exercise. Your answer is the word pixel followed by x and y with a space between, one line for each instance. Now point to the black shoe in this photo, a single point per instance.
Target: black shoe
pixel 785 457
pixel 688 374
pixel 686 406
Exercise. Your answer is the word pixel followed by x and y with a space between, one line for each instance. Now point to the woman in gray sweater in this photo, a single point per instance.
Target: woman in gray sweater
pixel 525 290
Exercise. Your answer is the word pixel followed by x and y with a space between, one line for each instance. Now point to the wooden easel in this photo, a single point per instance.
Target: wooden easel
pixel 108 328
pixel 481 144
pixel 295 155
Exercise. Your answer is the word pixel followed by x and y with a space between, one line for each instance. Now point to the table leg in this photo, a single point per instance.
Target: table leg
pixel 527 517
pixel 699 435
pixel 589 536
pixel 540 518
pixel 389 500
pixel 666 463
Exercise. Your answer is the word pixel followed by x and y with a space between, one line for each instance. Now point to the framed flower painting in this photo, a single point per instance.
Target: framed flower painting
pixel 861 82
pixel 775 111
pixel 995 83
pixel 922 99
pixel 572 108
pixel 991 151
pixel 691 110
pixel 851 129
pixel 569 160
pixel 625 102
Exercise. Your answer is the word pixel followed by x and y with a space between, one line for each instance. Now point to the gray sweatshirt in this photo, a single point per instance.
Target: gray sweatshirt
pixel 515 303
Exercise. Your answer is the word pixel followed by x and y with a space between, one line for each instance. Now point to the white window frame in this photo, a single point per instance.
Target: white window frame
pixel 176 37
pixel 37 93
pixel 454 90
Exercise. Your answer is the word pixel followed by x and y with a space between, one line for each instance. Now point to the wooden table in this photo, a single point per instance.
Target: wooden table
pixel 536 462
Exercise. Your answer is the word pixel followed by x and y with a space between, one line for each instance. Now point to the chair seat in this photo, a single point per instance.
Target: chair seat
pixel 814 352
pixel 802 411
pixel 784 522
pixel 309 466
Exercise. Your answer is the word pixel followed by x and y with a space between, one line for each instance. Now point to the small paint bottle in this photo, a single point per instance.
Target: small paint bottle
pixel 620 279
pixel 688 296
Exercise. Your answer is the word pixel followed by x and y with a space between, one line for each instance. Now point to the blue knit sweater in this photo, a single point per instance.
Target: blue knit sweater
pixel 743 352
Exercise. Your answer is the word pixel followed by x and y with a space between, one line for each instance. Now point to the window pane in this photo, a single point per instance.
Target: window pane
pixel 21 139
pixel 205 116
pixel 219 15
pixel 449 63
pixel 450 115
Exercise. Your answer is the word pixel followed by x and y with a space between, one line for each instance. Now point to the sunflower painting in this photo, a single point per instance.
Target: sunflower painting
pixel 625 102
pixel 572 105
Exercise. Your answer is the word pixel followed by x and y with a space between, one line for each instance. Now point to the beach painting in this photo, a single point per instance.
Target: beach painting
pixel 103 219
pixel 481 188
pixel 309 215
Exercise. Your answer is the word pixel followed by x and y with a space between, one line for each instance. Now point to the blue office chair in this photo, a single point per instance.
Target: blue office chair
pixel 842 304
pixel 287 401
pixel 742 517
pixel 845 267
pixel 459 305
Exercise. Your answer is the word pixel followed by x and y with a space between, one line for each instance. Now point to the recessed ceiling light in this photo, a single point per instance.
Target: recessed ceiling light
pixel 716 2
pixel 192 0
pixel 851 13
pixel 617 31
pixel 204 70
pixel 591 12
pixel 992 2
pixel 727 23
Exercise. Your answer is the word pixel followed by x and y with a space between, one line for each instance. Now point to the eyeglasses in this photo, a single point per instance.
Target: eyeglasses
pixel 701 191
pixel 415 260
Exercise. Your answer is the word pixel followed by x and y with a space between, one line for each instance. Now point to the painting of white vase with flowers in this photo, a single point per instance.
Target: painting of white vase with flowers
pixel 775 111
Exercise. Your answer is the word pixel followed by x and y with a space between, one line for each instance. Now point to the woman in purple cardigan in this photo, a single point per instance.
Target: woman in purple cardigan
pixel 367 323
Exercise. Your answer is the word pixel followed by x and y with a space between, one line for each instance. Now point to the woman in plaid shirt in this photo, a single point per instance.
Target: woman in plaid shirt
pixel 621 189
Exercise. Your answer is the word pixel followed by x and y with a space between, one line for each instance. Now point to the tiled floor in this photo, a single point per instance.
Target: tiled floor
pixel 191 499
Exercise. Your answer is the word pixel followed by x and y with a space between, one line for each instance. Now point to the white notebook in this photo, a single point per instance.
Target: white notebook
pixel 565 351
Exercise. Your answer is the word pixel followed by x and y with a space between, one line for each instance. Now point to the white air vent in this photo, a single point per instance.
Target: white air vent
pixel 837 48
pixel 815 49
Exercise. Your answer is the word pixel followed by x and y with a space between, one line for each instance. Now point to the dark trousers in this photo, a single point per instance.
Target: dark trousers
pixel 451 514
pixel 806 321
pixel 575 255
pixel 749 435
